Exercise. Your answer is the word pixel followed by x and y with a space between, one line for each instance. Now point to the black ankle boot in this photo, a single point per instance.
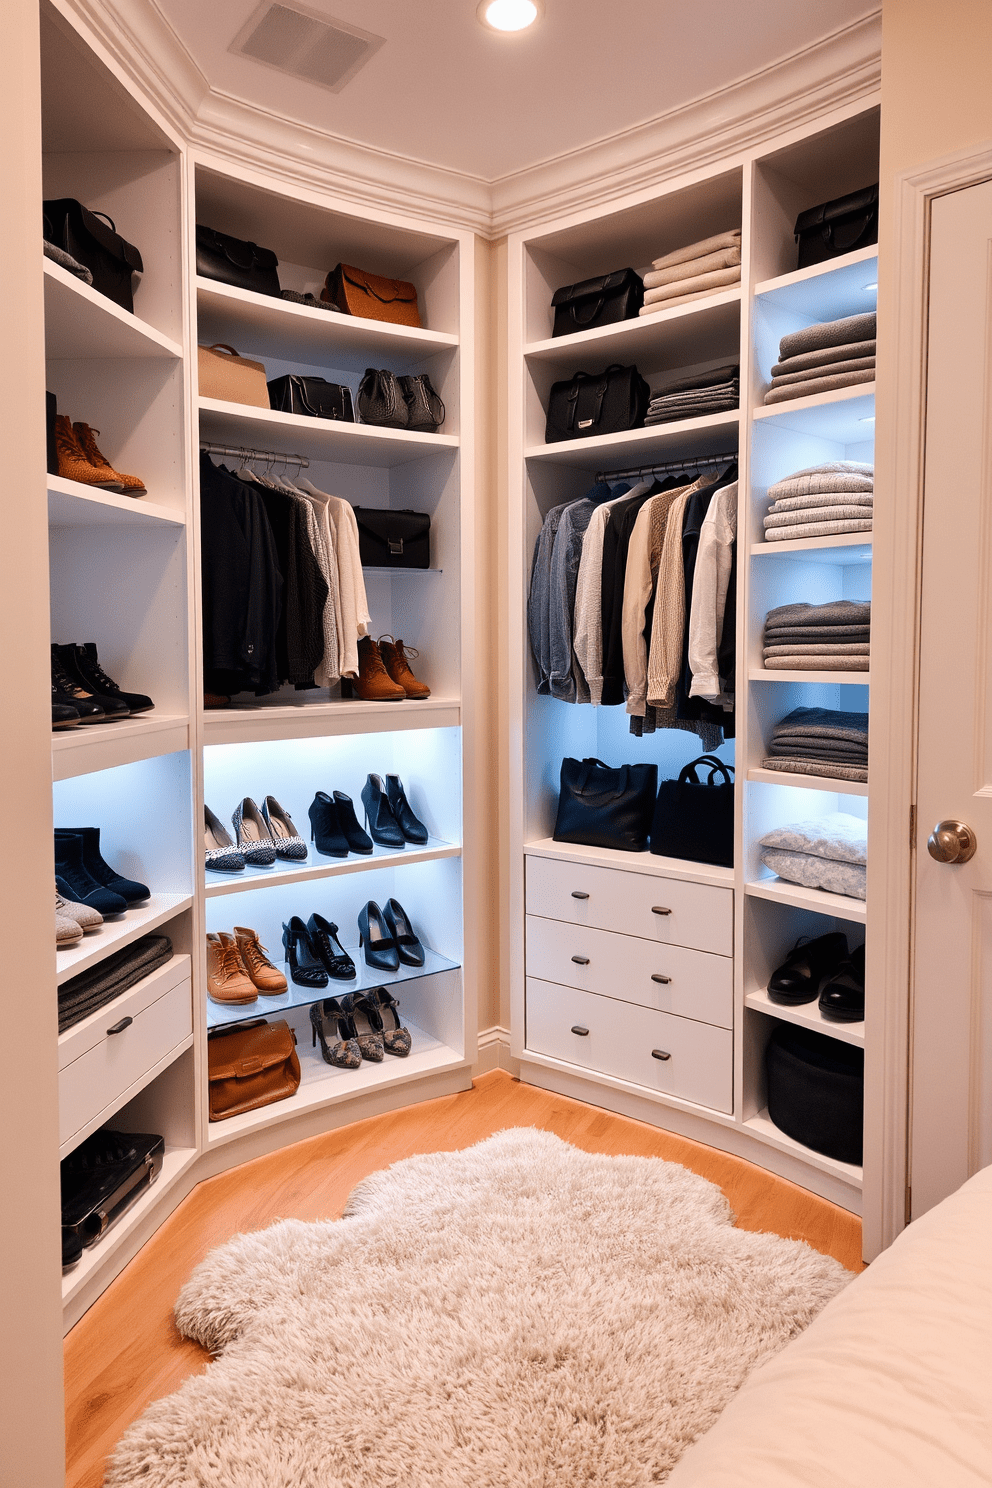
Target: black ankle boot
pixel 379 818
pixel 88 667
pixel 358 841
pixel 411 826
pixel 67 693
pixel 113 704
pixel 325 827
pixel 108 878
pixel 73 881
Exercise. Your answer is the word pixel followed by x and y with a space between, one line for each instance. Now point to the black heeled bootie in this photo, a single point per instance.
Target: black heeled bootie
pixel 411 826
pixel 325 827
pixel 112 702
pixel 380 948
pixel 329 950
pixel 379 818
pixel 358 841
pixel 409 948
pixel 129 889
pixel 304 966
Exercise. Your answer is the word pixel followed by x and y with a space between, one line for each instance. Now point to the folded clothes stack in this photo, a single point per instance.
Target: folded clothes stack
pixel 834 354
pixel 830 637
pixel 820 741
pixel 689 273
pixel 715 391
pixel 830 853
pixel 83 994
pixel 821 501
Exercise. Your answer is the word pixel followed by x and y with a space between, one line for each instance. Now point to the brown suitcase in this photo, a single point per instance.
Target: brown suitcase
pixel 251 1065
pixel 356 292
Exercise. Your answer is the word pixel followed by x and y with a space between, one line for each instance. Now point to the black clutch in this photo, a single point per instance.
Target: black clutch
pixel 235 262
pixel 100 1180
pixel 838 226
pixel 313 397
pixel 393 539
pixel 597 302
pixel 694 818
pixel 91 238
pixel 604 807
pixel 609 402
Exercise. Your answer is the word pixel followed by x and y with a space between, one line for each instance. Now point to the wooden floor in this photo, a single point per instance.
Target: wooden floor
pixel 126 1352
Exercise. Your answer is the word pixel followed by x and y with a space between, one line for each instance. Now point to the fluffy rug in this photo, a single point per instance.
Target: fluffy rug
pixel 517 1315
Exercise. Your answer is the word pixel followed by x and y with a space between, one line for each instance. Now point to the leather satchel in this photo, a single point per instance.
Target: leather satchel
pixel 604 807
pixel 597 302
pixel 356 292
pixel 232 378
pixel 693 818
pixel 250 1066
pixel 235 262
pixel 393 539
pixel 424 409
pixel 91 238
pixel 100 1180
pixel 381 401
pixel 585 405
pixel 312 397
pixel 838 226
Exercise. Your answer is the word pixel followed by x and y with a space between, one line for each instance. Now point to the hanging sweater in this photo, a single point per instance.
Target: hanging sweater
pixel 643 563
pixel 588 613
pixel 717 537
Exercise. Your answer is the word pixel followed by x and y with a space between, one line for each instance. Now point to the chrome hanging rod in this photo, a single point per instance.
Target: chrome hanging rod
pixel 274 457
pixel 667 467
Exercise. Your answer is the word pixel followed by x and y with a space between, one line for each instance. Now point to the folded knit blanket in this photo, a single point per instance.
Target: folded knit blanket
pixel 836 835
pixel 819 749
pixel 828 333
pixel 843 364
pixel 797 766
pixel 730 239
pixel 799 487
pixel 816 648
pixel 817 873
pixel 676 300
pixel 66 261
pixel 824 723
pixel 778 393
pixel 834 612
pixel 721 258
pixel 670 415
pixel 699 283
pixel 826 354
pixel 698 398
pixel 814 501
pixel 823 514
pixel 816 529
pixel 712 377
pixel 789 632
pixel 832 467
pixel 816 663
pixel 93 989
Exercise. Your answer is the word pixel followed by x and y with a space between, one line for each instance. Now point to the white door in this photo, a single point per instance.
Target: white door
pixel 951 1099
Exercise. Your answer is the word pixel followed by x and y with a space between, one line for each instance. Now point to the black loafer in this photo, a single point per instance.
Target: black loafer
pixel 842 999
pixel 803 971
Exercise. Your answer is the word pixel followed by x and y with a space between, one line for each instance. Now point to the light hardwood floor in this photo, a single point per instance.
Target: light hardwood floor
pixel 126 1352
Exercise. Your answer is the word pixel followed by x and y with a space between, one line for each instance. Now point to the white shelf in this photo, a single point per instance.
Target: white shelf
pixel 807 1015
pixel 633 862
pixel 319 866
pixel 840 906
pixel 764 1128
pixel 80 323
pixel 71 504
pixel 239 725
pixel 844 414
pixel 772 674
pixel 850 548
pixel 809 782
pixel 827 291
pixel 713 324
pixel 114 935
pixel 318 439
pixel 699 436
pixel 103 746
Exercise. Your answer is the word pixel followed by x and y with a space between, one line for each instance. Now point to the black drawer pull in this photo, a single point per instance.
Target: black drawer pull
pixel 582 1032
pixel 660 1054
pixel 656 976
pixel 581 960
pixel 659 909
pixel 578 894
pixel 120 1027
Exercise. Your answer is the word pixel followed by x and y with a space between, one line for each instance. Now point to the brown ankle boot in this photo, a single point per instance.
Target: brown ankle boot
pixel 373 683
pixel 73 464
pixel 227 978
pixel 396 659
pixel 129 484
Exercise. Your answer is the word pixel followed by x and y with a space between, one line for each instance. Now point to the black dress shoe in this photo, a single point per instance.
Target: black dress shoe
pixel 68 693
pixel 304 965
pixel 803 971
pixel 330 952
pixel 411 952
pixel 412 828
pixel 64 715
pixel 842 999
pixel 112 704
pixel 380 947
pixel 325 827
pixel 88 666
pixel 128 888
pixel 358 841
pixel 379 818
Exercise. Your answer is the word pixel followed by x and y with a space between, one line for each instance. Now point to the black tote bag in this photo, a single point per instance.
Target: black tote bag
pixel 597 302
pixel 91 238
pixel 313 397
pixel 608 402
pixel 694 818
pixel 602 807
pixel 837 227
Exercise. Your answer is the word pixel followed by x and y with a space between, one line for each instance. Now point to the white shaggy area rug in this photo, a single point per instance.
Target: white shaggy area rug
pixel 518 1315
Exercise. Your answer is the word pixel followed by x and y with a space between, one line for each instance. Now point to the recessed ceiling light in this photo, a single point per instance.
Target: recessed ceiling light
pixel 509 15
pixel 870 286
pixel 869 420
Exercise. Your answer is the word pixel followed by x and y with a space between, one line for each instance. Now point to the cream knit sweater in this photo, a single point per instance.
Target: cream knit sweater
pixel 640 578
pixel 668 624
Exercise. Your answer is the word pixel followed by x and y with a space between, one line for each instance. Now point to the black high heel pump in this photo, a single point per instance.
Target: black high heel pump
pixel 381 951
pixel 346 1053
pixel 304 966
pixel 408 947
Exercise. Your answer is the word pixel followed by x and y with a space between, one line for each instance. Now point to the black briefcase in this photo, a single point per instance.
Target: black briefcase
pixel 238 263
pixel 313 397
pixel 607 402
pixel 816 1091
pixel 597 302
pixel 393 539
pixel 693 818
pixel 91 238
pixel 838 226
pixel 102 1178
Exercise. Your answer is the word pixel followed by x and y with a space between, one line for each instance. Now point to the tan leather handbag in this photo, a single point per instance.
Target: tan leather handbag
pixel 251 1066
pixel 356 292
pixel 232 378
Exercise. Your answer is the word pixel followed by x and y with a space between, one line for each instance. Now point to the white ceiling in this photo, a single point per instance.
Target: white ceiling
pixel 448 92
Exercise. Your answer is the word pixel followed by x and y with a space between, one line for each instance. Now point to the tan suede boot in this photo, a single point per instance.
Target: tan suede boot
pixel 396 659
pixel 131 485
pixel 73 464
pixel 227 980
pixel 373 683
pixel 266 977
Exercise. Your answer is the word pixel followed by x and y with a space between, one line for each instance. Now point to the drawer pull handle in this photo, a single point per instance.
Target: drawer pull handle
pixel 659 909
pixel 120 1027
pixel 656 976
pixel 578 894
pixel 582 1032
pixel 660 1054
pixel 581 960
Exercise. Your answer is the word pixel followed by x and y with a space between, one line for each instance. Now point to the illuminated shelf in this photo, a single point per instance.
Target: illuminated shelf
pixel 103 746
pixel 809 782
pixel 239 725
pixel 318 866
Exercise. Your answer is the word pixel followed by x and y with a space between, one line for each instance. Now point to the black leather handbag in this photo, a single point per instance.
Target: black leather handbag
pixel 694 818
pixel 597 302
pixel 102 1178
pixel 587 404
pixel 381 400
pixel 393 539
pixel 838 226
pixel 816 1091
pixel 313 397
pixel 235 262
pixel 603 807
pixel 424 409
pixel 91 238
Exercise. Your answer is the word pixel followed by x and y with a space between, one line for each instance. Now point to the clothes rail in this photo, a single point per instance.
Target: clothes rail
pixel 275 457
pixel 667 467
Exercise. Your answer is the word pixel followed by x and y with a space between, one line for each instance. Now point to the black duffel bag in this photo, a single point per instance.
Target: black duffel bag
pixel 816 1091
pixel 837 227
pixel 607 402
pixel 313 397
pixel 597 302
pixel 694 818
pixel 235 262
pixel 393 539
pixel 603 807
pixel 91 238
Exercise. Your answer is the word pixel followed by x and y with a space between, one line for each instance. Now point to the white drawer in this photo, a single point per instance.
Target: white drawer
pixel 620 1039
pixel 97 1067
pixel 670 979
pixel 670 910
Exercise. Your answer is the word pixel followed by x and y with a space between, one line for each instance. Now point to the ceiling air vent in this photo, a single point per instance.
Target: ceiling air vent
pixel 317 48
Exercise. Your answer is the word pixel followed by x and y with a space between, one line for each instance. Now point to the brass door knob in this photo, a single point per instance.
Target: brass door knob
pixel 952 842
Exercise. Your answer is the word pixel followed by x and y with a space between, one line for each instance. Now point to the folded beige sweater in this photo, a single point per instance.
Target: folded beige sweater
pixel 696 250
pixel 699 282
pixel 723 258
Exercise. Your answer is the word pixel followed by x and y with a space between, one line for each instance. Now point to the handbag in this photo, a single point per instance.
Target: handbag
pixel 235 262
pixel 694 818
pixel 313 397
pixel 603 807
pixel 356 292
pixel 87 238
pixel 393 539
pixel 381 400
pixel 604 403
pixel 424 409
pixel 838 226
pixel 230 377
pixel 597 302
pixel 251 1065
pixel 102 1178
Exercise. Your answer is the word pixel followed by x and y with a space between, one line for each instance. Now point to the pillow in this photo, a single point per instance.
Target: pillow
pixel 837 835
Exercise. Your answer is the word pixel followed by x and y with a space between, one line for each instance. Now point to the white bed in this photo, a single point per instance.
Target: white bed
pixel 890 1387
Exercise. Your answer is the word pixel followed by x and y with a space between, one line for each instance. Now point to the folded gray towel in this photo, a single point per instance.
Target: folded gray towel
pixel 818 648
pixel 834 612
pixel 690 410
pixel 816 529
pixel 715 377
pixel 827 749
pixel 822 482
pixel 839 513
pixel 782 394
pixel 92 989
pixel 828 333
pixel 839 723
pixel 816 663
pixel 816 501
pixel 66 261
pixel 826 354
pixel 701 399
pixel 825 768
pixel 847 364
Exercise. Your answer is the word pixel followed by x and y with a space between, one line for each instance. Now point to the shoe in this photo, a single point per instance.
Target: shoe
pixel 355 1007
pixel 396 1039
pixel 842 997
pixel 64 715
pixel 411 952
pixel 304 966
pixel 255 843
pixel 112 704
pixel 380 948
pixel 222 855
pixel 396 660
pixel 85 916
pixel 107 877
pixel 67 932
pixel 803 971
pixel 411 826
pixel 130 485
pixel 67 692
pixel 73 464
pixel 227 979
pixel 325 827
pixel 287 840
pixel 73 880
pixel 379 818
pixel 329 950
pixel 346 1053
pixel 88 667
pixel 357 840
pixel 373 683
pixel 216 700
pixel 268 979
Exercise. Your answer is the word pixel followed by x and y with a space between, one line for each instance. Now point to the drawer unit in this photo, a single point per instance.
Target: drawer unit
pixel 699 916
pixel 668 978
pixel 97 1066
pixel 677 1056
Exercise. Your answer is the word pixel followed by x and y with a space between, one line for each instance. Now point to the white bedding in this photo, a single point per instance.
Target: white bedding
pixel 890 1387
